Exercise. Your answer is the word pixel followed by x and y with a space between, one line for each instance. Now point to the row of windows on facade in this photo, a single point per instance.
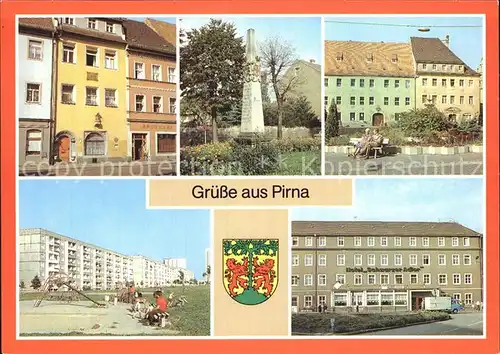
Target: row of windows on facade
pixel 68 96
pixel 384 241
pixel 91 23
pixel 92 59
pixel 384 279
pixel 95 143
pixel 397 83
pixel 384 260
pixel 426 99
pixel 371 83
pixel 372 299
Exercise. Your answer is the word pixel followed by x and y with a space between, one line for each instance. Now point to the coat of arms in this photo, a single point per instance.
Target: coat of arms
pixel 250 269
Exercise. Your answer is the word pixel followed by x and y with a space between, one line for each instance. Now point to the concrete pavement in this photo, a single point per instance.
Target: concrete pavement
pixel 461 324
pixel 136 168
pixel 465 164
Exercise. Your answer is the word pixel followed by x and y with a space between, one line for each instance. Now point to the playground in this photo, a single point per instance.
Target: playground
pixel 75 312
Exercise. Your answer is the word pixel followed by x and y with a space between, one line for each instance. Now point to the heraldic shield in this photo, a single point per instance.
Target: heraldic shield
pixel 250 269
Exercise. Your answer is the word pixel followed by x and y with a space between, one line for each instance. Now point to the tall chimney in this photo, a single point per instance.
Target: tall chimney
pixel 446 40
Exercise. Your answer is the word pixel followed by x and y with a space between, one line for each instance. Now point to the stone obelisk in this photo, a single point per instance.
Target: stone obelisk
pixel 252 117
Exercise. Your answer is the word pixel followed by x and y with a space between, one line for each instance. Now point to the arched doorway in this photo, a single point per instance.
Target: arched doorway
pixel 377 119
pixel 63 146
pixel 95 144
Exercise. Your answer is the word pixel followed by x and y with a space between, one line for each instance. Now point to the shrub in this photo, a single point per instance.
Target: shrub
pixel 262 158
pixel 332 122
pixel 419 122
pixel 297 144
pixel 395 136
pixel 320 322
pixel 339 140
pixel 207 159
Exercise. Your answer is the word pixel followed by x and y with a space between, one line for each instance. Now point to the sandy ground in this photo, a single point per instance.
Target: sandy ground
pixel 59 317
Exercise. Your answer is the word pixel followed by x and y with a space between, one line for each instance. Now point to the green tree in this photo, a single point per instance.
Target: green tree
pixel 421 122
pixel 182 279
pixel 206 274
pixel 213 62
pixel 299 113
pixel 332 122
pixel 36 283
pixel 251 248
pixel 22 285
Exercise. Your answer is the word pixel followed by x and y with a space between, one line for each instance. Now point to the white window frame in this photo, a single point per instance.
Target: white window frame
pixel 97 93
pixel 87 47
pixel 310 298
pixel 465 278
pixel 453 257
pixel 153 104
pixel 412 242
pixel 371 257
pixel 38 43
pixel 309 241
pixel 371 241
pixel 413 275
pixel 307 257
pixel 455 242
pixel 308 276
pixel 441 242
pixel 426 242
pixel 358 276
pixel 337 276
pixel 439 259
pixel 322 241
pixel 174 75
pixel 112 27
pixel 295 276
pixel 320 258
pixel 402 279
pixel 424 276
pixel 384 242
pixel 152 73
pixel 385 275
pixel 374 279
pixel 114 55
pixel 295 260
pixel 466 241
pixel 295 241
pixel 459 278
pixel 400 256
pixel 410 259
pixel 116 97
pixel 397 241
pixel 446 279
pixel 358 257
pixel 143 71
pixel 73 100
pixel 39 93
pixel 73 49
pixel 357 241
pixel 144 103
pixel 382 257
pixel 339 257
pixel 469 257
pixel 322 277
pixel 96 25
pixel 429 257
pixel 321 299
pixel 468 301
pixel 340 241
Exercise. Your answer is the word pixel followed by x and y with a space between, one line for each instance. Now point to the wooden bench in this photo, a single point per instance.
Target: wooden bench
pixel 379 149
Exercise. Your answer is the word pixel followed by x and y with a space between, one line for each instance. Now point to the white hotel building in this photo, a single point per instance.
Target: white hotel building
pixel 45 253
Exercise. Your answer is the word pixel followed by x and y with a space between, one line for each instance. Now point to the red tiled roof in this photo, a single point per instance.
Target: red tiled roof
pixel 379 228
pixel 368 59
pixel 166 30
pixel 141 36
pixel 45 24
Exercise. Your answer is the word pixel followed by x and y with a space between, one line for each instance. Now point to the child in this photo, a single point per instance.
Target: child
pixel 161 306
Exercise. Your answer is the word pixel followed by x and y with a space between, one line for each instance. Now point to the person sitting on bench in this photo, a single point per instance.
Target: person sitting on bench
pixel 375 141
pixel 362 142
pixel 161 307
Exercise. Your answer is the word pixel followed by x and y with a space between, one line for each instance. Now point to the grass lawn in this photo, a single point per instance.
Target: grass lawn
pixel 193 318
pixel 306 163
pixel 311 323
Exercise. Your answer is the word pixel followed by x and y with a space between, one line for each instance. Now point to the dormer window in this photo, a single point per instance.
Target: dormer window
pixel 340 56
pixel 434 67
pixel 394 58
pixel 369 58
pixel 444 67
pixel 92 24
pixel 110 28
pixel 460 68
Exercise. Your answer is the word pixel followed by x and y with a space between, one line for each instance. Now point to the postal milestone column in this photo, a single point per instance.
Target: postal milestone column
pixel 252 116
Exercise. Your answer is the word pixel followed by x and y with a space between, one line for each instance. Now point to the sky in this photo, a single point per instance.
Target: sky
pixel 164 19
pixel 408 199
pixel 465 42
pixel 112 214
pixel 303 33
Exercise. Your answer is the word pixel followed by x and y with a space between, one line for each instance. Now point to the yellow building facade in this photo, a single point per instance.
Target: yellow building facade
pixel 91 108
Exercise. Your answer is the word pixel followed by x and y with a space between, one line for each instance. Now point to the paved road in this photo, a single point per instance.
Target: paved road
pixel 164 168
pixel 465 164
pixel 460 325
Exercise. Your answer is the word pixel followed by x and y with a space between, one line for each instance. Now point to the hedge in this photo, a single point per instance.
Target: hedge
pixel 320 322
